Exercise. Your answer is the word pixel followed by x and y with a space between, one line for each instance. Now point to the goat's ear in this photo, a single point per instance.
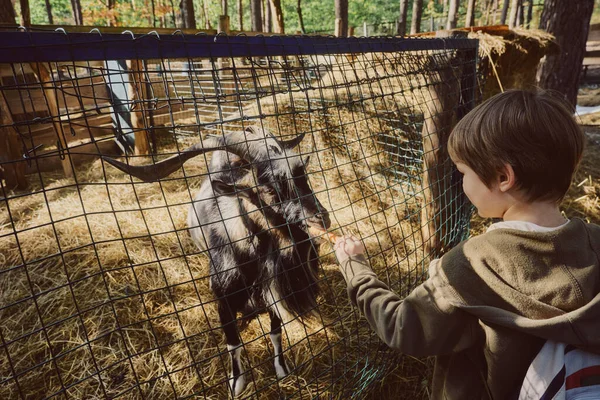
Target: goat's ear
pixel 220 188
pixel 290 144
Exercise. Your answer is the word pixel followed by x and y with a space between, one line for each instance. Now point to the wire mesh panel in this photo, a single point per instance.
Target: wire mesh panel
pixel 132 275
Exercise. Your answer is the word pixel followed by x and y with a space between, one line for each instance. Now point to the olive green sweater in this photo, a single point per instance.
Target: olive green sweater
pixel 488 306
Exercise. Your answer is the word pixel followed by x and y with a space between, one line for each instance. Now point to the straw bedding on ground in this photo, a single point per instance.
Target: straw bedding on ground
pixel 103 276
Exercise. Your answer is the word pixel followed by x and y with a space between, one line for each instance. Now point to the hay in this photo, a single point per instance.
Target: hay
pixel 510 57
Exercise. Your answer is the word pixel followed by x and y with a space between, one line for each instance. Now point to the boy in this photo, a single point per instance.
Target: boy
pixel 489 304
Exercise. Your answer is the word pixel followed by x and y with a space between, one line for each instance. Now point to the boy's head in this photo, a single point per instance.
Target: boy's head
pixel 534 132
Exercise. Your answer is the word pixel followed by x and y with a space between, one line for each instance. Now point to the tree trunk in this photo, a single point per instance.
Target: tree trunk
pixel 277 15
pixel 25 13
pixel 417 12
pixel 153 16
pixel 402 19
pixel 187 14
pixel 470 19
pixel 485 13
pixel 504 12
pixel 76 8
pixel 341 18
pixel 206 18
pixel 300 19
pixel 49 12
pixel 453 14
pixel 514 10
pixel 569 23
pixel 240 15
pixel 266 12
pixel 529 14
pixel 111 13
pixel 173 16
pixel 494 11
pixel 255 15
pixel 7 12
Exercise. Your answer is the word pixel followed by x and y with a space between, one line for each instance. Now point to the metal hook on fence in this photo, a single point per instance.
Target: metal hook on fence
pixel 220 34
pixel 61 150
pixel 153 102
pixel 61 30
pixel 130 32
pixel 96 30
pixel 154 33
pixel 27 153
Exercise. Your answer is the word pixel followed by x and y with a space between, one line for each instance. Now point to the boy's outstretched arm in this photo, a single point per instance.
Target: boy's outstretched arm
pixel 424 323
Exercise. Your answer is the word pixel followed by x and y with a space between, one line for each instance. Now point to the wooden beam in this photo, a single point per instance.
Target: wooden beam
pixel 45 79
pixel 137 94
pixel 444 97
pixel 224 24
pixel 14 172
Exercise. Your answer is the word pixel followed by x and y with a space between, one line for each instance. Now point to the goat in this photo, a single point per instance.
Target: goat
pixel 252 215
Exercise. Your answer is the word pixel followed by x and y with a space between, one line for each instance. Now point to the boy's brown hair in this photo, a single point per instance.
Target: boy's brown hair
pixel 534 132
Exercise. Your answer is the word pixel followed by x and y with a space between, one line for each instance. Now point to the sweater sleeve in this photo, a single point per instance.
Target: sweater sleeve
pixel 422 324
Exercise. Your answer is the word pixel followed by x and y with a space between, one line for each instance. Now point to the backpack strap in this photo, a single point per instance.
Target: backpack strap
pixel 562 372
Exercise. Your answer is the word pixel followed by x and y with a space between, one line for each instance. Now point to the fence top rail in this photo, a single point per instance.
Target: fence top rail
pixel 58 46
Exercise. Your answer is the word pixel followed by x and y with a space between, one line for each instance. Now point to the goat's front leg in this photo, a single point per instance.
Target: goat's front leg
pixel 237 379
pixel 281 368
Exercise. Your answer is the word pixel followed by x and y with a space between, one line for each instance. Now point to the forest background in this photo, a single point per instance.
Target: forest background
pixel 373 17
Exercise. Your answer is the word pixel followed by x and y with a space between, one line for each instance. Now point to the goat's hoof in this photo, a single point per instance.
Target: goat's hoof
pixel 281 367
pixel 237 384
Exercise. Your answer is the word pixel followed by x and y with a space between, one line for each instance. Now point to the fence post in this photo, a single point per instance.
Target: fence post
pixel 14 173
pixel 137 95
pixel 45 79
pixel 444 107
pixel 224 24
pixel 338 27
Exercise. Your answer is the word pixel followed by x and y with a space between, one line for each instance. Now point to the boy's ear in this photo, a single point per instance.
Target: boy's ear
pixel 506 178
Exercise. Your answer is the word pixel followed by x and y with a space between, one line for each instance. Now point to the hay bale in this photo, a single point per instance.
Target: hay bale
pixel 510 57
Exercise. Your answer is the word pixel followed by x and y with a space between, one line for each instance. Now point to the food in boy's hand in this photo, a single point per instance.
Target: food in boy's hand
pixel 329 236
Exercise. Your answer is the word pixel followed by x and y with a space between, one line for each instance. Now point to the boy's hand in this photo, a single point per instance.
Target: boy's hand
pixel 348 246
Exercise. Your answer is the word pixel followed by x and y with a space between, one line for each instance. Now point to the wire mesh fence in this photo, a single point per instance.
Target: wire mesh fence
pixel 215 277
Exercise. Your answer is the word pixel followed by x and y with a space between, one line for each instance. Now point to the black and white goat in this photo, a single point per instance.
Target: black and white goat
pixel 252 215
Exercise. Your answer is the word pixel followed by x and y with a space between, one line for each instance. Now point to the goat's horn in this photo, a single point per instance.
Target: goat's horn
pixel 154 172
pixel 290 144
pixel 238 144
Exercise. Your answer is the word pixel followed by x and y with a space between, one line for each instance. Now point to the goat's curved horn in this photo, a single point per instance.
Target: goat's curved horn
pixel 290 144
pixel 285 144
pixel 154 172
